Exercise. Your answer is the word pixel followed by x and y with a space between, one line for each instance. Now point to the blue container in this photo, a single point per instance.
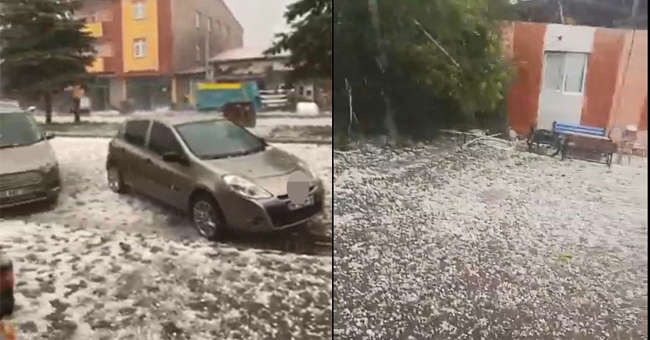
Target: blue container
pixel 216 96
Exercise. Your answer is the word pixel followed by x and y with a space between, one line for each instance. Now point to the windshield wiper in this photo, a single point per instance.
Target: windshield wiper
pixel 235 154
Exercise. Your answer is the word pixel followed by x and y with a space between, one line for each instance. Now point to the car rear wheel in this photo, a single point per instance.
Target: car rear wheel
pixel 115 182
pixel 207 217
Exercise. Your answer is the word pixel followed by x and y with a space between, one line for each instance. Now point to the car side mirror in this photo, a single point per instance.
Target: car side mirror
pixel 49 135
pixel 175 157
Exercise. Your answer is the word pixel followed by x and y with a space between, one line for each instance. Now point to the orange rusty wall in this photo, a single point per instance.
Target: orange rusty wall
pixel 527 63
pixel 602 72
pixel 632 82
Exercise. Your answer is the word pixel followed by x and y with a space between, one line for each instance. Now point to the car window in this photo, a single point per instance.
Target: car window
pixel 18 129
pixel 163 140
pixel 135 132
pixel 218 139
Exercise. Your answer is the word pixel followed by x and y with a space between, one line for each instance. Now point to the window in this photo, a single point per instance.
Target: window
pixel 139 10
pixel 140 48
pixel 104 49
pixel 209 24
pixel 163 140
pixel 135 132
pixel 198 52
pixel 565 71
pixel 197 20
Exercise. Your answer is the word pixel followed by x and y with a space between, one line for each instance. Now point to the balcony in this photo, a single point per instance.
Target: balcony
pixel 97 66
pixel 95 29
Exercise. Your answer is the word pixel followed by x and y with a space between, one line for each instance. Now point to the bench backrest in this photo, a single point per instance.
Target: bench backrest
pixel 584 130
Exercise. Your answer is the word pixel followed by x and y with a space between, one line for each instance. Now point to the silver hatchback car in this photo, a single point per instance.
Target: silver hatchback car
pixel 218 172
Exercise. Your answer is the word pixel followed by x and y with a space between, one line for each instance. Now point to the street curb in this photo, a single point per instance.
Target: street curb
pixel 270 140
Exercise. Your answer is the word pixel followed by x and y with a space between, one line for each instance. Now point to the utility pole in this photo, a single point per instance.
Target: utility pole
pixel 209 75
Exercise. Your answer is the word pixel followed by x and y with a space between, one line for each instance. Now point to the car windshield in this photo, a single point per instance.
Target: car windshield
pixel 18 129
pixel 219 139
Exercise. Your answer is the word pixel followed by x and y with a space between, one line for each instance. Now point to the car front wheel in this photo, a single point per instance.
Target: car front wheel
pixel 207 217
pixel 115 182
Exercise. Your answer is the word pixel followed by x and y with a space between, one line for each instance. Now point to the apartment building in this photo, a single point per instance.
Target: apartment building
pixel 144 46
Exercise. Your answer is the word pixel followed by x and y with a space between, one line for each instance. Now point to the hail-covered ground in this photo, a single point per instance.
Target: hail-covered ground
pixel 487 244
pixel 107 266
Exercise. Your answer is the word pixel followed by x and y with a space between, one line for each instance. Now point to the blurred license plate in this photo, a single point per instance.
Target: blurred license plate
pixel 310 201
pixel 12 193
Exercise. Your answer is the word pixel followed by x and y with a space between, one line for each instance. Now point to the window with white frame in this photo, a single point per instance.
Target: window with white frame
pixel 139 10
pixel 140 48
pixel 197 20
pixel 210 24
pixel 565 71
pixel 198 52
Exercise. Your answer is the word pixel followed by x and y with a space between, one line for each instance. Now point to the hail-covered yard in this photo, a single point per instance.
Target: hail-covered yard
pixel 80 283
pixel 487 244
pixel 107 266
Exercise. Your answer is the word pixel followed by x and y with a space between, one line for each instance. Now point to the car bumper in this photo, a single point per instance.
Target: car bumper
pixel 272 214
pixel 30 196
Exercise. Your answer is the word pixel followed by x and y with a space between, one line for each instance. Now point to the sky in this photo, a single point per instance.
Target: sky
pixel 261 19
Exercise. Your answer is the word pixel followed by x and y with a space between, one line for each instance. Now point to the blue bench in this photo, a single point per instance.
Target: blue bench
pixel 589 140
pixel 563 129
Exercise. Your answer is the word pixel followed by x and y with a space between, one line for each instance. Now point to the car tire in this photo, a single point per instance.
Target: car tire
pixel 207 217
pixel 115 180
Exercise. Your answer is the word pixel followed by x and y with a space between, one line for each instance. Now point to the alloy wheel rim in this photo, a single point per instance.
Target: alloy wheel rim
pixel 205 219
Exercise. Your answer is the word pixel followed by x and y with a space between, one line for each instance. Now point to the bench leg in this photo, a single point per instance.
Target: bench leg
pixel 609 158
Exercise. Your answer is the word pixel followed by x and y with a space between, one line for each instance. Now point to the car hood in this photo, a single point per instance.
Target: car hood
pixel 269 169
pixel 26 158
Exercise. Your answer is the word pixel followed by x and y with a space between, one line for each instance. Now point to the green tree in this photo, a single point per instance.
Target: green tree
pixel 44 48
pixel 443 62
pixel 310 39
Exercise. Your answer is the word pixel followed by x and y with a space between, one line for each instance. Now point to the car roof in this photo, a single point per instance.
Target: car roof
pixel 178 118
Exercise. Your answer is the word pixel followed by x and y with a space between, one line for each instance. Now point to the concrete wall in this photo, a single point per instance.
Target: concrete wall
pixel 226 33
pixel 560 105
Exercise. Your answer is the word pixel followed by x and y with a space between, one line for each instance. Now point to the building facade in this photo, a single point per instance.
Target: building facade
pixel 578 75
pixel 144 45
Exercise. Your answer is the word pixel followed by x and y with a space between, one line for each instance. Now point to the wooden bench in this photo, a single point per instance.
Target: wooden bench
pixel 590 142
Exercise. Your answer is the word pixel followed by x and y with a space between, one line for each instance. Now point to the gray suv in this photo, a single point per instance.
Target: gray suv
pixel 218 172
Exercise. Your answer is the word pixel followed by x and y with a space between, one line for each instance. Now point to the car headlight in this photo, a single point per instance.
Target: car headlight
pixel 245 187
